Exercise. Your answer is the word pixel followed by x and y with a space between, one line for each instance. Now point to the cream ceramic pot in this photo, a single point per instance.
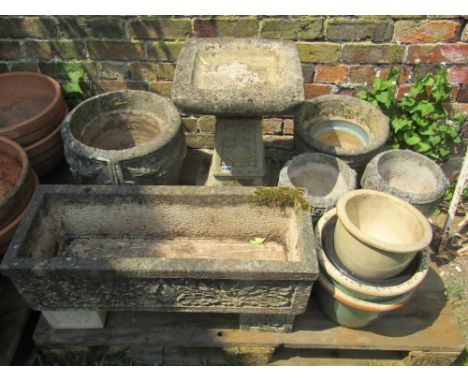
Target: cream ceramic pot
pixel 377 235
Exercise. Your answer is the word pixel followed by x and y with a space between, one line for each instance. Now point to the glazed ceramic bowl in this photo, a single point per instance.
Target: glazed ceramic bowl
pixel 377 235
pixel 410 279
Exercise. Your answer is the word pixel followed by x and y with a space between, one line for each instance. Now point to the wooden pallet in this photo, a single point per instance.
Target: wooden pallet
pixel 425 332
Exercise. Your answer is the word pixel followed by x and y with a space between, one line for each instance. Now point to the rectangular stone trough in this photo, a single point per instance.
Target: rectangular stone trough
pixel 162 248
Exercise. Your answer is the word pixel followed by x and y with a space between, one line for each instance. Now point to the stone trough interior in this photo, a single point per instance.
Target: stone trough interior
pixel 167 227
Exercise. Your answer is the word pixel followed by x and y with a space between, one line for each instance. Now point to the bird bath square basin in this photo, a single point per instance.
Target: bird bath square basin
pixel 166 248
pixel 238 77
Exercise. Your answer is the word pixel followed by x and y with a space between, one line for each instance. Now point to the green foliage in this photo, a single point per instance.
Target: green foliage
pixel 257 241
pixel 75 78
pixel 418 120
pixel 451 189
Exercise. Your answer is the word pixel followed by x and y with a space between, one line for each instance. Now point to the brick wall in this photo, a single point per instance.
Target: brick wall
pixel 338 54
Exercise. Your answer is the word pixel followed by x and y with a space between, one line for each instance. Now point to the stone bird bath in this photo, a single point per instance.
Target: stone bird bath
pixel 239 81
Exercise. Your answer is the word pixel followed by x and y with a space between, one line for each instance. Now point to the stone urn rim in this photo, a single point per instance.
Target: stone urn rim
pixel 364 287
pixel 54 103
pixel 25 169
pixel 363 237
pixel 419 198
pixel 173 124
pixel 374 144
pixel 320 201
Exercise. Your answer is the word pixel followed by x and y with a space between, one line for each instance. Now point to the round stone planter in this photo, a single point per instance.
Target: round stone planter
pixel 347 127
pixel 410 176
pixel 17 181
pixel 408 280
pixel 377 235
pixel 125 137
pixel 31 106
pixel 325 177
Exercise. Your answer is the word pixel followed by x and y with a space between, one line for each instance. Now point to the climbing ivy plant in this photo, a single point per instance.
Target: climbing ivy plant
pixel 73 87
pixel 419 121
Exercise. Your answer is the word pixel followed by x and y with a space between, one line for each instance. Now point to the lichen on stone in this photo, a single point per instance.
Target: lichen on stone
pixel 280 197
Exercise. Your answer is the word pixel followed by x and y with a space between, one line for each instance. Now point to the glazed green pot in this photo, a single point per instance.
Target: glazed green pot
pixel 350 311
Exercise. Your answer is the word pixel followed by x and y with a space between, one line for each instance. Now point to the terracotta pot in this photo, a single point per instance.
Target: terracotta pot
pixel 7 232
pixel 31 106
pixel 409 280
pixel 46 154
pixel 377 235
pixel 16 180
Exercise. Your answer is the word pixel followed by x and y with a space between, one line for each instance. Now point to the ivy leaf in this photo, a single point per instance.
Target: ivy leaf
pixel 72 87
pixel 377 85
pixel 257 241
pixel 386 98
pixel 423 146
pixel 399 123
pixel 411 138
pixel 444 152
pixel 425 108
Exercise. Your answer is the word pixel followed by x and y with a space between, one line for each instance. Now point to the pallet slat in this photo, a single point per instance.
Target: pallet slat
pixel 426 325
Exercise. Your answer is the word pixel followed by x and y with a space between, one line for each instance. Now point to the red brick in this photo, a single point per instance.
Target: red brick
pixel 454 89
pixel 402 90
pixel 464 36
pixel 372 53
pixel 347 91
pixel 116 50
pixel 10 50
pixel 405 72
pixel 205 27
pixel 360 74
pixel 332 74
pixel 112 85
pixel 161 87
pixel 314 90
pixel 458 74
pixel 456 53
pixel 463 94
pixel 426 31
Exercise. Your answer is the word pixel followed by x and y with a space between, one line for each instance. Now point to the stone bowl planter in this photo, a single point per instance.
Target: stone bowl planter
pixel 179 248
pixel 410 176
pixel 17 181
pixel 125 137
pixel 347 127
pixel 31 106
pixel 377 235
pixel 350 311
pixel 378 290
pixel 326 178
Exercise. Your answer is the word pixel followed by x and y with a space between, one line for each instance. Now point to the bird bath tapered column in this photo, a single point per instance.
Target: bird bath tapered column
pixel 239 81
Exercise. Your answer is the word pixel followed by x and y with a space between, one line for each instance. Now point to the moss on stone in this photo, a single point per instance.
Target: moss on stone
pixel 280 197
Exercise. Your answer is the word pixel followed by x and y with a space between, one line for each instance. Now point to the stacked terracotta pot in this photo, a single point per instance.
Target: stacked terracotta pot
pixel 32 110
pixel 17 184
pixel 372 253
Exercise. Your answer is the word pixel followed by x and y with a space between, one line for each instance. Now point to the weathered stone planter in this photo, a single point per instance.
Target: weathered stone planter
pixel 239 81
pixel 347 127
pixel 325 177
pixel 410 176
pixel 125 137
pixel 182 249
pixel 377 235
